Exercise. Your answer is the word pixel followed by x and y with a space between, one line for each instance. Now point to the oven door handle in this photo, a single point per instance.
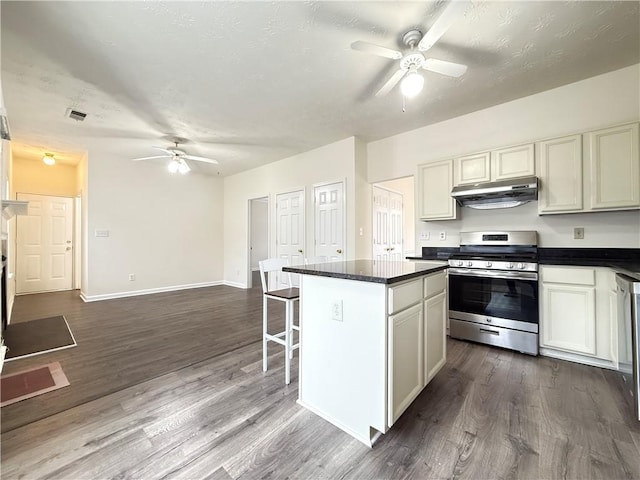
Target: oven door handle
pixel 468 272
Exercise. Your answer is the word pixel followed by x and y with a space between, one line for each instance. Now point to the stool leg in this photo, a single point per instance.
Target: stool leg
pixel 287 344
pixel 264 334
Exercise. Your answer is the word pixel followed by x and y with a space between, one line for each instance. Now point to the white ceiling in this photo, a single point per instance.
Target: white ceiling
pixel 265 80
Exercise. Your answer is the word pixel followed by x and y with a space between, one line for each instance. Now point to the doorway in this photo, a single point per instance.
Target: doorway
pixel 329 215
pixel 45 244
pixel 258 237
pixel 290 225
pixel 393 222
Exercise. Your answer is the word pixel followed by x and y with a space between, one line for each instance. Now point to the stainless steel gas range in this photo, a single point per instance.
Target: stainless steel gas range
pixel 493 290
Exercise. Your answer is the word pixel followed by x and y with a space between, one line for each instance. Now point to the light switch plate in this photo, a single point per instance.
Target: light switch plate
pixel 578 233
pixel 102 233
pixel 336 310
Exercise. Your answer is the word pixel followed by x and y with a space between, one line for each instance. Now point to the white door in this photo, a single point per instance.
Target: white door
pixel 44 240
pixel 387 224
pixel 329 222
pixel 290 231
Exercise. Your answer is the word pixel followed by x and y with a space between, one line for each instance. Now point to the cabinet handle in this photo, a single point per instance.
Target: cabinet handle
pixel 491 332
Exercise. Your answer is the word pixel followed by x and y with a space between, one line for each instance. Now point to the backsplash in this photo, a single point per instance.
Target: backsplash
pixel 602 229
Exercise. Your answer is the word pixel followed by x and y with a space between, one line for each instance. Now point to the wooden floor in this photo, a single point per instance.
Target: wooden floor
pixel 489 413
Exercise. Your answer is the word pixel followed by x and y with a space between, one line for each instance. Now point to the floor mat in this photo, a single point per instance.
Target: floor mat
pixel 30 383
pixel 25 339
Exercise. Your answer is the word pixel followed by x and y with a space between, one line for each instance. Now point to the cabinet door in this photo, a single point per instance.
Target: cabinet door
pixel 435 184
pixel 473 169
pixel 435 339
pixel 614 167
pixel 405 360
pixel 512 162
pixel 560 173
pixel 569 318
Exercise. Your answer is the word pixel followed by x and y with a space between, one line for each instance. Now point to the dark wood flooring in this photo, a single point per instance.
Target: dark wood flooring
pixel 489 413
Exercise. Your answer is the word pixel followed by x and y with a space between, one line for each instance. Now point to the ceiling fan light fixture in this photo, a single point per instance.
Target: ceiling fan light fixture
pixel 412 84
pixel 183 168
pixel 173 166
pixel 48 159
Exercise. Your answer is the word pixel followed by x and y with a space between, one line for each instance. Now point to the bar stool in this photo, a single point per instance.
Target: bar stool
pixel 289 296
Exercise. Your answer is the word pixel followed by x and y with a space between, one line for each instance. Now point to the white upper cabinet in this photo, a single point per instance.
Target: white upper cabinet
pixel 501 164
pixel 473 169
pixel 560 172
pixel 435 181
pixel 615 168
pixel 513 162
pixel 596 171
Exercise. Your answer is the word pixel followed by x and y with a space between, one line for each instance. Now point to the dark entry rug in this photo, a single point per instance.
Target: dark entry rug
pixel 35 337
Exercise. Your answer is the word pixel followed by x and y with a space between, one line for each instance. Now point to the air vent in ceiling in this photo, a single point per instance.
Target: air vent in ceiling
pixel 76 115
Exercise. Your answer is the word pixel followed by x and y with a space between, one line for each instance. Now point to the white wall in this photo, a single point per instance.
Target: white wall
pixel 259 231
pixel 601 101
pixel 331 163
pixel 167 229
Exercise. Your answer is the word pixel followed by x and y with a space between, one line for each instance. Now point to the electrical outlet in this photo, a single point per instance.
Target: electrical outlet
pixel 424 236
pixel 578 233
pixel 443 235
pixel 132 277
pixel 336 310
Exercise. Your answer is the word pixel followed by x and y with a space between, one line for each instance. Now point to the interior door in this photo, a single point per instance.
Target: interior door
pixel 44 240
pixel 290 232
pixel 387 224
pixel 329 222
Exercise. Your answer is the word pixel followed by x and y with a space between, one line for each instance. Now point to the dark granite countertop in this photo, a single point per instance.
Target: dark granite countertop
pixel 623 260
pixel 374 271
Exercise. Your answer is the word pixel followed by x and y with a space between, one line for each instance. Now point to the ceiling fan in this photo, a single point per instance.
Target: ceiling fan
pixel 178 163
pixel 411 62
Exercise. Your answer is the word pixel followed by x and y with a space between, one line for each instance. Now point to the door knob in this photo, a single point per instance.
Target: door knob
pixel 339 251
pixel 68 241
pixel 68 248
pixel 299 250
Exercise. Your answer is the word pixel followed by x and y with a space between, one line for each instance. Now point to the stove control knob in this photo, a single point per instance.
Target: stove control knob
pixel 488 264
pixel 469 263
pixel 521 266
pixel 509 265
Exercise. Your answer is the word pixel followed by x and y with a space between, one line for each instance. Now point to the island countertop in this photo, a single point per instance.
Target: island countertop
pixel 375 271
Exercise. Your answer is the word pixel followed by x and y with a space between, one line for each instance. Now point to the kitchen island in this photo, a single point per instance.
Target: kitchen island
pixel 372 336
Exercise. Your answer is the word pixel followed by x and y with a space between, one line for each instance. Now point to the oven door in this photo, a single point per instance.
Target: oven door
pixel 502 298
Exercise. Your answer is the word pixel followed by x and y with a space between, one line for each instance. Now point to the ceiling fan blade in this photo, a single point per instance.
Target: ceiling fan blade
pixel 367 47
pixel 164 150
pixel 395 78
pixel 200 159
pixel 444 68
pixel 451 13
pixel 150 158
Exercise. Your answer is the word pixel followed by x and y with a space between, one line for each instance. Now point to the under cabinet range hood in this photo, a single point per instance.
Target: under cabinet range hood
pixel 502 194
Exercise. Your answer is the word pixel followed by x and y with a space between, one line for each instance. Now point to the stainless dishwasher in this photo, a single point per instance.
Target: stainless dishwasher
pixel 629 336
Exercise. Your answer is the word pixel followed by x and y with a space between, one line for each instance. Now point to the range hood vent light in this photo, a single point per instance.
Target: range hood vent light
pixel 503 194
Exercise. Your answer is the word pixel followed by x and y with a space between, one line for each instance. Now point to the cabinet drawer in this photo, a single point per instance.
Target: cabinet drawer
pixel 403 296
pixel 574 276
pixel 434 284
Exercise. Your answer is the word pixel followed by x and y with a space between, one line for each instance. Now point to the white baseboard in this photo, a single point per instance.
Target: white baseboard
pixel 149 291
pixel 235 284
pixel 577 358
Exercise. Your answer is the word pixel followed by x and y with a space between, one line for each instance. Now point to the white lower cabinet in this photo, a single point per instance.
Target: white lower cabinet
pixel 416 340
pixel 405 358
pixel 577 314
pixel 435 335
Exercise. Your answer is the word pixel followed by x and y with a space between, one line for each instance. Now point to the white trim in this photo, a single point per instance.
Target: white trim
pixel 577 358
pixel 149 291
pixel 235 284
pixel 367 441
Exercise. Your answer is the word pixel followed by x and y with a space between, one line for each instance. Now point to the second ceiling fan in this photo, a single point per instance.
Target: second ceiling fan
pixel 178 157
pixel 410 63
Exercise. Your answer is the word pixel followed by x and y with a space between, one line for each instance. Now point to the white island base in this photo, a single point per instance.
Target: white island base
pixel 368 349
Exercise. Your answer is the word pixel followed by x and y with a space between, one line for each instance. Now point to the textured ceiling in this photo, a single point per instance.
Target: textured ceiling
pixel 252 82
